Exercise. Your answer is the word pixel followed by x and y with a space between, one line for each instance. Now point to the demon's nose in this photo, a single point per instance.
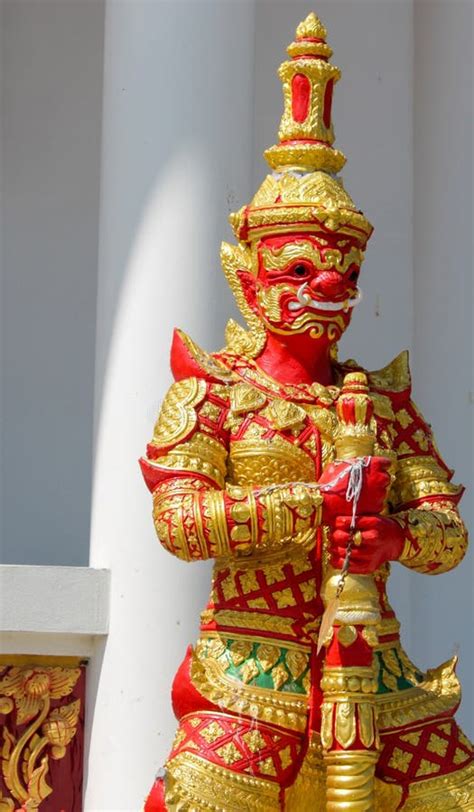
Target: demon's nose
pixel 328 283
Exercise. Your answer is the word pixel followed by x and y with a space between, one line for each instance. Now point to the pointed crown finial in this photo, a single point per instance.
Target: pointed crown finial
pixel 306 133
pixel 311 28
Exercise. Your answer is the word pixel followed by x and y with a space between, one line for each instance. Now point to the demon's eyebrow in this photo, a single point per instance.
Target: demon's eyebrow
pixel 278 259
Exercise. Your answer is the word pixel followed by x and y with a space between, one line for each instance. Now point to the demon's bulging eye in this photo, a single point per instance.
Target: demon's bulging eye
pixel 301 271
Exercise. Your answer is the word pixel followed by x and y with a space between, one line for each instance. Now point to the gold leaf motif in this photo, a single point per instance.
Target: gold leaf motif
pixel 245 398
pixel 370 636
pixel 179 738
pixel 284 598
pixel 427 768
pixel 460 756
pixel 267 767
pixel 240 650
pixel 254 740
pixel 366 723
pixel 210 410
pixel 285 757
pixel 279 676
pixel 38 787
pixel 284 414
pixel 412 738
pixel 400 760
pixel 249 671
pixel 437 745
pixel 462 738
pixel 345 725
pixel 267 656
pixel 389 680
pixel 229 753
pixel 297 662
pixel 326 725
pixel 211 732
pixel 391 662
pixel 215 647
pixel 421 439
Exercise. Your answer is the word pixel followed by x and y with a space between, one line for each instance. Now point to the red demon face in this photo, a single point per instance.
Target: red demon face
pixel 307 284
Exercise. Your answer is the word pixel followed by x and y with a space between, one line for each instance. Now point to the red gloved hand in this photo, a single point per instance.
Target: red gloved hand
pixel 380 539
pixel 375 486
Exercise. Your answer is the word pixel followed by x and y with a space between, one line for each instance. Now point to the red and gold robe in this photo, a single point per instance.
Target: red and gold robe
pixel 247 695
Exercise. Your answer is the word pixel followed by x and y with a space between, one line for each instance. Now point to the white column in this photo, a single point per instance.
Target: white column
pixel 443 354
pixel 178 106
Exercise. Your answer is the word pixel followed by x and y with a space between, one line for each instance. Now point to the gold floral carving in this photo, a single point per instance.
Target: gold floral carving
pixel 25 696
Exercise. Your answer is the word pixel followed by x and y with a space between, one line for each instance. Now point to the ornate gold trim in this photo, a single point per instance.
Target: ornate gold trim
pixel 447 793
pixel 49 660
pixel 256 638
pixel 286 709
pixel 439 693
pixel 192 784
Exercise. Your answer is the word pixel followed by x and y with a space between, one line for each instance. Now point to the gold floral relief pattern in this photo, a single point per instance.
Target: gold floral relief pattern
pixel 34 731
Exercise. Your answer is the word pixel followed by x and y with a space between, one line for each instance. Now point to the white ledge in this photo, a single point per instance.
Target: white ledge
pixel 52 610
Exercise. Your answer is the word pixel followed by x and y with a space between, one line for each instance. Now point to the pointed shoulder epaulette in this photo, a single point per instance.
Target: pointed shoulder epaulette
pixel 188 360
pixel 395 377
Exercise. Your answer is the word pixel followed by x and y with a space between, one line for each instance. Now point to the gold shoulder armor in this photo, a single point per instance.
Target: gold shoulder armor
pixel 178 416
pixel 189 359
pixel 395 377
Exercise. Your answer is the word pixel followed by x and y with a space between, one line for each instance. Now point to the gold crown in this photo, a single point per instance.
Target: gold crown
pixel 303 191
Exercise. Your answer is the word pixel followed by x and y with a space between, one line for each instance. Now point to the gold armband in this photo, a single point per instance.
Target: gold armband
pixel 282 514
pixel 435 537
pixel 195 522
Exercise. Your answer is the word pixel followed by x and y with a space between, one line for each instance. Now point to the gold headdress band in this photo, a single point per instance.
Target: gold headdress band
pixel 303 191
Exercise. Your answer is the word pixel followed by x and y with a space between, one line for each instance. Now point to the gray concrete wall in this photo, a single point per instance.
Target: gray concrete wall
pixel 51 65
